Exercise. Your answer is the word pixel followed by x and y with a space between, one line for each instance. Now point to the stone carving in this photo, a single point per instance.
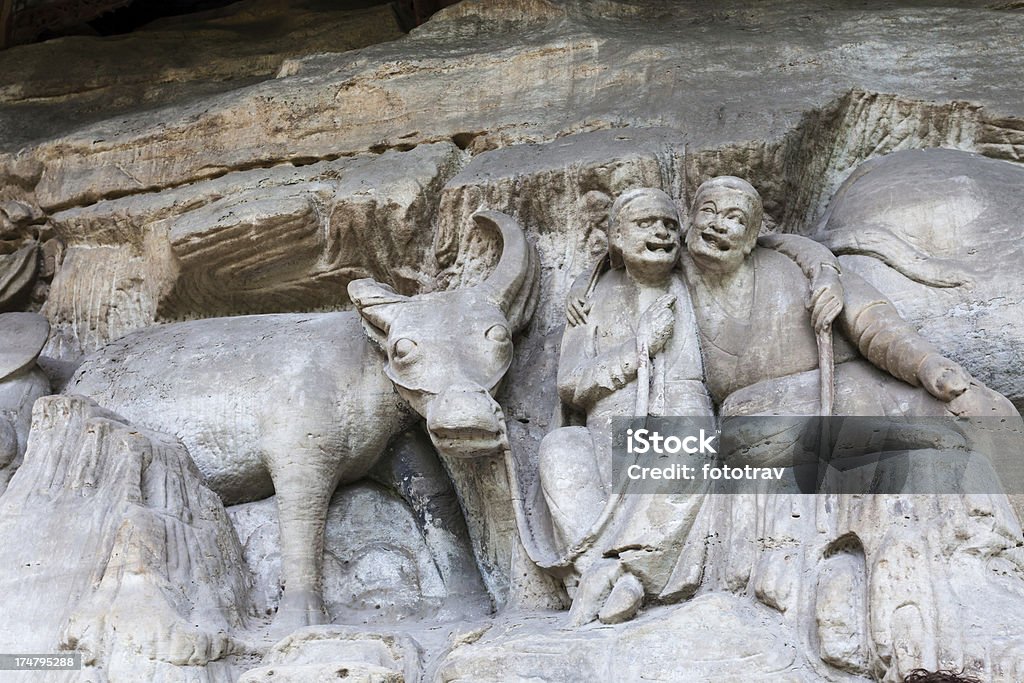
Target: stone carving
pixel 638 330
pixel 231 182
pixel 417 566
pixel 149 576
pixel 750 643
pixel 22 243
pixel 296 404
pixel 739 287
pixel 937 231
pixel 22 336
pixel 789 290
pixel 330 653
pixel 17 275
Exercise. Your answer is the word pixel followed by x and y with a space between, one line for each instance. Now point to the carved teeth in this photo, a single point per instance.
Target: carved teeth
pixel 715 240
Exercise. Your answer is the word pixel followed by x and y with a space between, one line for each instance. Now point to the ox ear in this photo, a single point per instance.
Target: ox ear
pixel 378 305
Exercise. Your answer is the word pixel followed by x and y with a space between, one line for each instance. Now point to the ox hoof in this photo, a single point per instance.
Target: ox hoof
pixel 298 609
pixel 184 645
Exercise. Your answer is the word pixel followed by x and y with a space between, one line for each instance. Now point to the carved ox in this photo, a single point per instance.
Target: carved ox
pixel 939 232
pixel 298 403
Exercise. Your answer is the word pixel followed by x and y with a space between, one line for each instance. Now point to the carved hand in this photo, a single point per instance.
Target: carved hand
pixel 657 323
pixel 826 297
pixel 576 310
pixel 944 379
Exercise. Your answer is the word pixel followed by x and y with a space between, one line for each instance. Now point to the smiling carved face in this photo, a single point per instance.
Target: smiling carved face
pixel 721 231
pixel 647 233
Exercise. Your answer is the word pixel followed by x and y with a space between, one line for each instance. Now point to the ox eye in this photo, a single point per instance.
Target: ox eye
pixel 498 333
pixel 403 348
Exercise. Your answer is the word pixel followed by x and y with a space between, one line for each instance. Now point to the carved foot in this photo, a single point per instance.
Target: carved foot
pixel 915 622
pixel 298 609
pixel 623 602
pixel 606 592
pixel 186 645
pixel 140 618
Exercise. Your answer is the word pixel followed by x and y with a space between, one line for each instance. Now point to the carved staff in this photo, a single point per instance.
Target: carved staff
pixel 827 367
pixel 827 373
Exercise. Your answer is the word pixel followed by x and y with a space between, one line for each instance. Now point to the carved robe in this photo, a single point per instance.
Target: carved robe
pixel 598 380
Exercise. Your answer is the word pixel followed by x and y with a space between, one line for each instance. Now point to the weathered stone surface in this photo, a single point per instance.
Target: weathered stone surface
pixel 272 196
pixel 939 232
pixel 22 336
pixel 175 59
pixel 373 572
pixel 17 274
pixel 266 240
pixel 715 637
pixel 147 577
pixel 576 74
pixel 300 403
pixel 330 653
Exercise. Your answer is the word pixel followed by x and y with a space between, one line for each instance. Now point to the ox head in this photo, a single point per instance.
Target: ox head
pixel 447 352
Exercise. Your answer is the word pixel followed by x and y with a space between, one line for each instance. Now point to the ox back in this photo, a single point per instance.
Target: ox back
pixel 240 392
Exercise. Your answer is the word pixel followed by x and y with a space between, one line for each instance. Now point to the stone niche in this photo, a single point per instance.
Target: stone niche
pixel 149 193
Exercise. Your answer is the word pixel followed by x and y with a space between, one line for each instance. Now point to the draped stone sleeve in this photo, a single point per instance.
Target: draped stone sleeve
pixel 586 376
pixel 811 256
pixel 874 325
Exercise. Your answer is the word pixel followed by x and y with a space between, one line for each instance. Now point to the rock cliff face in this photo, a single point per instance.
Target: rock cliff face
pixel 115 548
pixel 261 157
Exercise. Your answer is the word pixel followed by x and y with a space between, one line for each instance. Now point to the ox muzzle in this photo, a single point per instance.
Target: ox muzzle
pixel 464 420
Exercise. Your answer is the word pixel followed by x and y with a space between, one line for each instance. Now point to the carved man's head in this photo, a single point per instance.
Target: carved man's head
pixel 724 222
pixel 644 227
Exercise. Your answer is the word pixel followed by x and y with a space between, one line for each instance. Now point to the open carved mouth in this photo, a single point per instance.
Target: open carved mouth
pixel 715 241
pixel 467 441
pixel 464 433
pixel 665 247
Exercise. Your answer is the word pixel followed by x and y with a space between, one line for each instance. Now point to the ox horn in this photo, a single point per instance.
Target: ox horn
pixel 505 283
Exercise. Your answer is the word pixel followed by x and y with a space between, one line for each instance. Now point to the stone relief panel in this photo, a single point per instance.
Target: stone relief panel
pixel 299 438
pixel 855 567
pixel 337 377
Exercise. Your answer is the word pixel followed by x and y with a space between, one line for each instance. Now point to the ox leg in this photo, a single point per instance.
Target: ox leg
pixel 303 488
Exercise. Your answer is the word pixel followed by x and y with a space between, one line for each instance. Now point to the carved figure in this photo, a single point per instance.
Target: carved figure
pixel 603 354
pixel 632 351
pixel 295 404
pixel 761 358
pixel 763 311
pixel 22 336
pixel 17 274
pixel 740 287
